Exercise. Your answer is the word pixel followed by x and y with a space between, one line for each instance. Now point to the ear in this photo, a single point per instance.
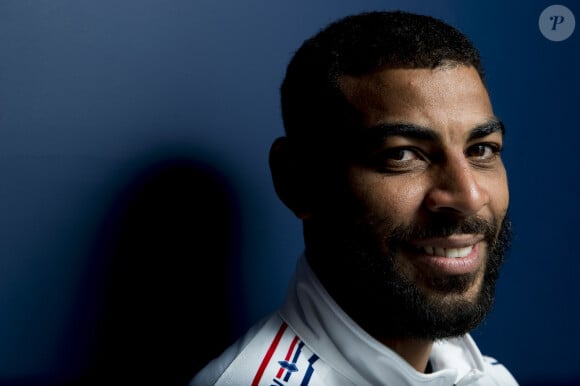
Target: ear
pixel 292 177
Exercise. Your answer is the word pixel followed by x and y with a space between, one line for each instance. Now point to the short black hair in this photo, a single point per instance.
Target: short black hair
pixel 312 103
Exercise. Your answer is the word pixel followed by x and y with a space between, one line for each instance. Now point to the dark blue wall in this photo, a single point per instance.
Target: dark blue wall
pixel 105 104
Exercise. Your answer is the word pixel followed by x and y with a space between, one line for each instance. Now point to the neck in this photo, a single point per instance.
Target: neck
pixel 415 351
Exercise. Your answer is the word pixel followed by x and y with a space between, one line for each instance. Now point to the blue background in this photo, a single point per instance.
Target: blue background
pixel 94 94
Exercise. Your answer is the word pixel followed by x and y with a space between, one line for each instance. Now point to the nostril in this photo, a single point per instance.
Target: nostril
pixel 456 193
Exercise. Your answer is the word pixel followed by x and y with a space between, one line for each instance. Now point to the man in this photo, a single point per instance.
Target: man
pixel 391 159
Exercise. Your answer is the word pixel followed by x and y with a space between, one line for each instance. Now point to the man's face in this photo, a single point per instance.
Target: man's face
pixel 427 194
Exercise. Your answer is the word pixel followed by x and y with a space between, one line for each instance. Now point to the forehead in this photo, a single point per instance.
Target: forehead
pixel 446 99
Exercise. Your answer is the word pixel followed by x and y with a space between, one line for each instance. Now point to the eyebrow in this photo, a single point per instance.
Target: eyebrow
pixel 418 132
pixel 491 126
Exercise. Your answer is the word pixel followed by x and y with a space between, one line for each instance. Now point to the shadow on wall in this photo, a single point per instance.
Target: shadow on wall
pixel 167 255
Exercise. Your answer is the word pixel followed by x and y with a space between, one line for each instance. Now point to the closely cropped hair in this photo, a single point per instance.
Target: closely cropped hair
pixel 313 106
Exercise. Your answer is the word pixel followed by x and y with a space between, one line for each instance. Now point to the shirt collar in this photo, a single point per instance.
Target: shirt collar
pixel 339 341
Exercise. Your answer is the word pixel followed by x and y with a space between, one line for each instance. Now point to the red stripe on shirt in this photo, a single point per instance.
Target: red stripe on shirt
pixel 288 355
pixel 269 354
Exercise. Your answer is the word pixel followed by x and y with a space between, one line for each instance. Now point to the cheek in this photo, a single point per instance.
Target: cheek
pixel 381 196
pixel 499 195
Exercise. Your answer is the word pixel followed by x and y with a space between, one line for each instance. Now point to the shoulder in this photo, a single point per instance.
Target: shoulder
pixel 241 350
pixel 269 353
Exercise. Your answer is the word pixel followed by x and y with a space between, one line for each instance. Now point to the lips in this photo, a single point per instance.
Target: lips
pixel 455 255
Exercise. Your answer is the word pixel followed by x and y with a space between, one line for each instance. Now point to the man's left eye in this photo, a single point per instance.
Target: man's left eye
pixel 483 151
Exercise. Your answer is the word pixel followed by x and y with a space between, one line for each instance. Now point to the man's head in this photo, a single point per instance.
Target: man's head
pixel 312 102
pixel 392 160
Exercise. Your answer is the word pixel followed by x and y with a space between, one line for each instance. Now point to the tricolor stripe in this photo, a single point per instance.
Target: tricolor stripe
pixel 310 370
pixel 288 355
pixel 269 354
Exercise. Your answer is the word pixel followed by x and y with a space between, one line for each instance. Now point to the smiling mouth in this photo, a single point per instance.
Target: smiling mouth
pixel 453 253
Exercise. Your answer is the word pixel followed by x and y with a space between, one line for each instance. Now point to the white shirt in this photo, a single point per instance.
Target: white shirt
pixel 311 341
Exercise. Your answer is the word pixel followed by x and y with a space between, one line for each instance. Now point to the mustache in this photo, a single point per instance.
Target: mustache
pixel 437 227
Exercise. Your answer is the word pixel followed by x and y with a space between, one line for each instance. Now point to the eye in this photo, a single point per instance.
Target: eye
pixel 401 154
pixel 483 151
pixel 397 160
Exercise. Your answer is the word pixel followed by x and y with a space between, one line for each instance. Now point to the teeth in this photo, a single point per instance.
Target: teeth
pixel 448 252
pixel 452 252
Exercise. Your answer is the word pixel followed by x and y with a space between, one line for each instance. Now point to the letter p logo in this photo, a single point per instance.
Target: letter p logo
pixel 557 20
pixel 556 23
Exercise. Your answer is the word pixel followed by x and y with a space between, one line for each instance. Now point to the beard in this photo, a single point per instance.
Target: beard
pixel 371 287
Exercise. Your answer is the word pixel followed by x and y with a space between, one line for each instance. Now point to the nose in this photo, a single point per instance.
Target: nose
pixel 455 190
